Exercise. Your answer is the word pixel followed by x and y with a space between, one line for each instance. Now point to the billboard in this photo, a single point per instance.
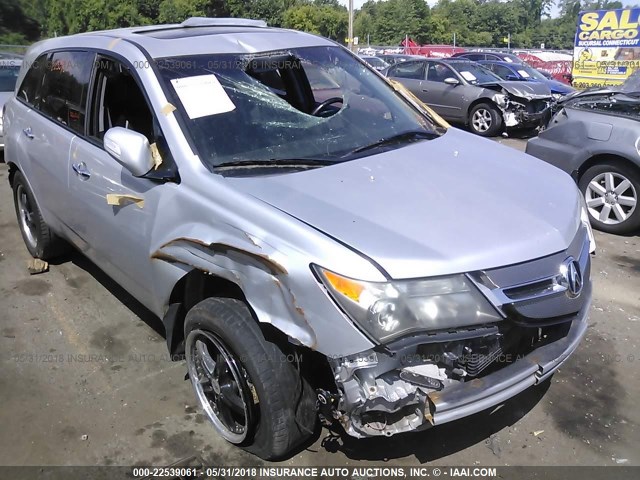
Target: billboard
pixel 606 48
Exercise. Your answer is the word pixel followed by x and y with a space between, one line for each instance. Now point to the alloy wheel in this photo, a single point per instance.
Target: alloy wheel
pixel 27 216
pixel 611 198
pixel 481 120
pixel 222 385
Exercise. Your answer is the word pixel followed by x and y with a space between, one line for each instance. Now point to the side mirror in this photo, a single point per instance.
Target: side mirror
pixel 129 148
pixel 512 78
pixel 451 81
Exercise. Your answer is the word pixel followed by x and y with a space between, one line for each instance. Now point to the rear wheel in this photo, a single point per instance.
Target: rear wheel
pixel 248 387
pixel 40 240
pixel 611 192
pixel 485 120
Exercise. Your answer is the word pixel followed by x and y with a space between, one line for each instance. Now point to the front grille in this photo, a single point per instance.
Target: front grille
pixel 534 292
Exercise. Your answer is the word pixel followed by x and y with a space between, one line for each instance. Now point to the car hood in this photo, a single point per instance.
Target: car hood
pixel 455 204
pixel 558 87
pixel 590 92
pixel 527 90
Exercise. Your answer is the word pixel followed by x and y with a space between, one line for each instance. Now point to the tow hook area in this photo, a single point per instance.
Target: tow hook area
pixel 327 403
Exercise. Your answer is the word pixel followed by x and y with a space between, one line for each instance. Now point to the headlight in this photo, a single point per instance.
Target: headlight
pixel 389 309
pixel 500 99
pixel 584 218
pixel 557 96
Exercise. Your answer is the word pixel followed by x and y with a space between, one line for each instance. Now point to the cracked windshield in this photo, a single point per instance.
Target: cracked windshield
pixel 317 103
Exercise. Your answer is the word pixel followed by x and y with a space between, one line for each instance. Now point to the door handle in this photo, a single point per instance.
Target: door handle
pixel 425 90
pixel 81 170
pixel 28 133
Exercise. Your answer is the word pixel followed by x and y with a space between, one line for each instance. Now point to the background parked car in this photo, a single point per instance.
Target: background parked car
pixel 393 58
pixel 494 56
pixel 595 139
pixel 375 62
pixel 466 92
pixel 9 68
pixel 525 73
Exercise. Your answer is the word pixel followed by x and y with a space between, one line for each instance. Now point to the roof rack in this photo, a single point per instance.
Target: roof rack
pixel 222 22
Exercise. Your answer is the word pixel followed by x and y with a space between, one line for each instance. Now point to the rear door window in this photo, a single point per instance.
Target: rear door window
pixel 63 94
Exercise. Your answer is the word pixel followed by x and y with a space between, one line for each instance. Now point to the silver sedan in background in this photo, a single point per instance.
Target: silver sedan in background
pixel 465 92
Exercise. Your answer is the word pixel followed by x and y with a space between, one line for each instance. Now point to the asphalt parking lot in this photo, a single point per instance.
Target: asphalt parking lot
pixel 85 380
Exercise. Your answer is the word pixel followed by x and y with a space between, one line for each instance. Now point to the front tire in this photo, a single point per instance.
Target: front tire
pixel 248 386
pixel 38 237
pixel 485 120
pixel 611 192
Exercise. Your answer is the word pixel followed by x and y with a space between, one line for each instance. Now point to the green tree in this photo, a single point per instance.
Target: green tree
pixel 16 26
pixel 391 20
pixel 321 19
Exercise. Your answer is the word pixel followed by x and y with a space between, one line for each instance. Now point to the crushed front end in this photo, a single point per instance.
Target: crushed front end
pixel 429 378
pixel 522 108
pixel 523 114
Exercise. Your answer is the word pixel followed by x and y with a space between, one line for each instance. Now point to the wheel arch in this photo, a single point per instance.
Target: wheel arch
pixel 190 289
pixel 13 169
pixel 601 158
pixel 478 101
pixel 198 285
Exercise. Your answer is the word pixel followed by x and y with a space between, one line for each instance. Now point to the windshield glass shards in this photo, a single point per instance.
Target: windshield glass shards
pixel 315 103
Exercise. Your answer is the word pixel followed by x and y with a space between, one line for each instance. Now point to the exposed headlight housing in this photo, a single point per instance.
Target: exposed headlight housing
pixel 387 310
pixel 501 99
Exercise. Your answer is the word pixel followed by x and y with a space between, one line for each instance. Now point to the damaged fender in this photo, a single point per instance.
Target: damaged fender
pixel 263 273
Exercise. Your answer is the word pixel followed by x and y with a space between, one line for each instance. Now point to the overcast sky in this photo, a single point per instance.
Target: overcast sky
pixel 554 10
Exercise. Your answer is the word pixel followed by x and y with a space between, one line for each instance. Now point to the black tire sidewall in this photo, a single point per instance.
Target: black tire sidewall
pixel 276 381
pixel 632 224
pixel 496 120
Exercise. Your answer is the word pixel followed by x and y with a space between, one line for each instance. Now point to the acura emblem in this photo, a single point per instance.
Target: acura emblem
pixel 571 277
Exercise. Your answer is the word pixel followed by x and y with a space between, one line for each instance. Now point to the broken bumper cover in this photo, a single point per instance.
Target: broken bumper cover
pixel 521 119
pixel 383 395
pixel 530 119
pixel 479 394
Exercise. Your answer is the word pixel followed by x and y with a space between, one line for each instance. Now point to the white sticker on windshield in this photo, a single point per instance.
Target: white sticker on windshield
pixel 523 73
pixel 202 96
pixel 468 76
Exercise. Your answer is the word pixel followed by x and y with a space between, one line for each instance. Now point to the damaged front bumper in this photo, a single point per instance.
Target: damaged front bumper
pixel 394 390
pixel 526 114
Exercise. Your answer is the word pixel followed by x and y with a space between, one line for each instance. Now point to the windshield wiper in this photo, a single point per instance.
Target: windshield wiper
pixel 279 162
pixel 399 138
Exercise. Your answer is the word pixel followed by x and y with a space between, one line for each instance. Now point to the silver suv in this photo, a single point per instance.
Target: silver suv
pixel 317 243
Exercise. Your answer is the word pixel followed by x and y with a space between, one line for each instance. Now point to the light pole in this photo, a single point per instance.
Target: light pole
pixel 350 34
